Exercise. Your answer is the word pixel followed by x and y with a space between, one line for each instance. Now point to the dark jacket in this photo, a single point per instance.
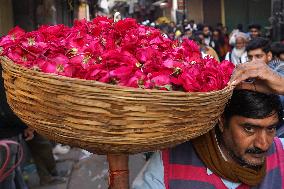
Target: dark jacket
pixel 10 124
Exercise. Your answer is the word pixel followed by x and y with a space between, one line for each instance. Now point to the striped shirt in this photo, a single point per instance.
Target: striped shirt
pixel 152 176
pixel 278 66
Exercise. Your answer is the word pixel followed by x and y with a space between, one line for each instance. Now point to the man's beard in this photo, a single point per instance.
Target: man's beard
pixel 245 163
pixel 239 52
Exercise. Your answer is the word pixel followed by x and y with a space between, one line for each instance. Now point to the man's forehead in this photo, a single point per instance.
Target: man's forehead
pixel 256 51
pixel 267 121
pixel 240 39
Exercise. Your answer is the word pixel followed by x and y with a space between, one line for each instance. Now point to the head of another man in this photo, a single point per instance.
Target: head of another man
pixel 259 49
pixel 254 30
pixel 277 50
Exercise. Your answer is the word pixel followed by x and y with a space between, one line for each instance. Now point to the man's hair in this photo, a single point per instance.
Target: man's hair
pixel 259 43
pixel 253 104
pixel 256 26
pixel 277 48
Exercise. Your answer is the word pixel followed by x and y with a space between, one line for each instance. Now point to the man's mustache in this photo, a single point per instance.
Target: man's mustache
pixel 255 151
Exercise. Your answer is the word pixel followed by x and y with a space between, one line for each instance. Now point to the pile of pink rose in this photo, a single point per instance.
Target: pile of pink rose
pixel 122 53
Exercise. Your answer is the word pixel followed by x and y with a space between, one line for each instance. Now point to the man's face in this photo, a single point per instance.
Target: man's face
pixel 254 32
pixel 216 34
pixel 240 43
pixel 188 33
pixel 259 55
pixel 206 31
pixel 248 140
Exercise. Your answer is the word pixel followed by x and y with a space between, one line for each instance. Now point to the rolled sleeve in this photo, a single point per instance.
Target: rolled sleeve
pixel 152 174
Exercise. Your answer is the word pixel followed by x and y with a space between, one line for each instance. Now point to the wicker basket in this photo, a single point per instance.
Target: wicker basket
pixel 104 118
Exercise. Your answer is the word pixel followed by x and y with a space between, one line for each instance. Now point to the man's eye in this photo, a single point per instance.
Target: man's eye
pixel 249 129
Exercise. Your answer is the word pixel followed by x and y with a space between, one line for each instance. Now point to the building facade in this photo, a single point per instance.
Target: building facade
pixel 228 12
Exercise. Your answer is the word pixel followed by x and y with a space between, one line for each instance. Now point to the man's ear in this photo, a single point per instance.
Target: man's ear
pixel 221 123
pixel 269 56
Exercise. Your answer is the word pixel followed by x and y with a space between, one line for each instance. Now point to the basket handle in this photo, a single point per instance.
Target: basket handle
pixel 5 144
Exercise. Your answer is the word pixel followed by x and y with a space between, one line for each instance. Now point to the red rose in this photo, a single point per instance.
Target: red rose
pixel 123 53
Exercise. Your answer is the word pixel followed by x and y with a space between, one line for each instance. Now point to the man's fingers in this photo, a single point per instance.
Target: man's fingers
pixel 242 77
pixel 238 71
pixel 243 72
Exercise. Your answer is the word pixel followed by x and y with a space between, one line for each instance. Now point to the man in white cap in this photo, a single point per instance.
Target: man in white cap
pixel 238 54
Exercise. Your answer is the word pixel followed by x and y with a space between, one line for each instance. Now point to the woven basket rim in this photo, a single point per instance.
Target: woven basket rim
pixel 104 109
pixel 7 60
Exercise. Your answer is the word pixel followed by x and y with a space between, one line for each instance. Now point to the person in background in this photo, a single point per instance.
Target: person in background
pixel 191 26
pixel 232 36
pixel 254 30
pixel 171 35
pixel 219 26
pixel 219 41
pixel 187 34
pixel 206 50
pixel 208 36
pixel 172 27
pixel 227 46
pixel 165 29
pixel 225 31
pixel 41 150
pixel 199 27
pixel 277 49
pixel 178 34
pixel 238 54
pixel 11 128
pixel 259 49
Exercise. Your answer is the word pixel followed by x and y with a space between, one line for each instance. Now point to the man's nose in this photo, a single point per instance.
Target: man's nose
pixel 262 141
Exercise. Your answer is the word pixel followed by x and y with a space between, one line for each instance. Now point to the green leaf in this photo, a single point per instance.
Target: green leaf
pixel 169 87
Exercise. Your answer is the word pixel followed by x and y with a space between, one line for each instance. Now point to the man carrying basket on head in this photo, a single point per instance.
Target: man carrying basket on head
pixel 240 152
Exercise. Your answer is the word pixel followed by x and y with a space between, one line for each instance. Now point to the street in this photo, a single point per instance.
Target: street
pixel 83 171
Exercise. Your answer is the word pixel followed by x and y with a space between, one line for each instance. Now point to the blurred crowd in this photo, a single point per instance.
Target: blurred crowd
pixel 217 41
pixel 239 46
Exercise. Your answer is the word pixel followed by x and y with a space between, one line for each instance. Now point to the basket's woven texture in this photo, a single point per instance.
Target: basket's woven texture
pixel 103 118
